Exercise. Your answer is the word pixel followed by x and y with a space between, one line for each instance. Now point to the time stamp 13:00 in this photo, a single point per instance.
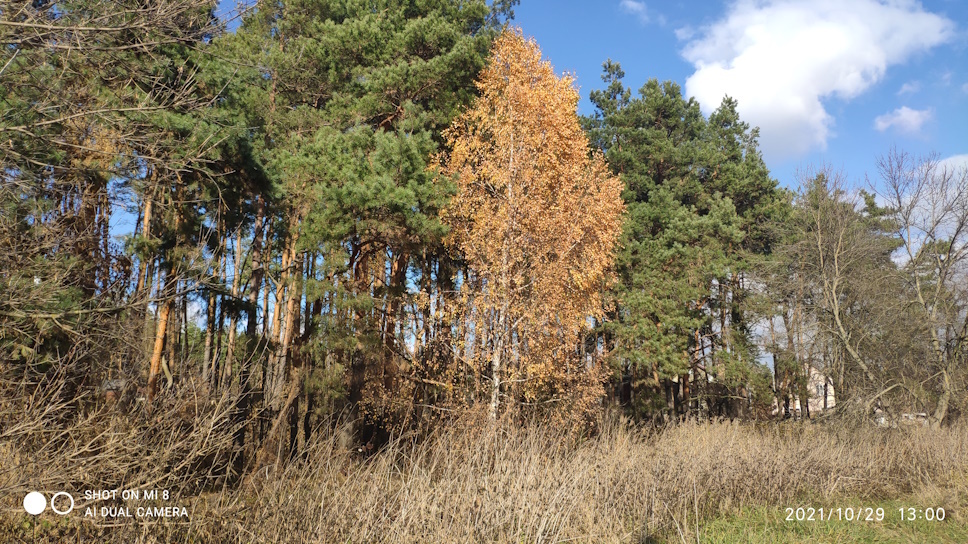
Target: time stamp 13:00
pixel 862 514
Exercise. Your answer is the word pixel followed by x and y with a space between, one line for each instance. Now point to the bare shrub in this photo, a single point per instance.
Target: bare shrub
pixel 51 441
pixel 475 481
pixel 486 483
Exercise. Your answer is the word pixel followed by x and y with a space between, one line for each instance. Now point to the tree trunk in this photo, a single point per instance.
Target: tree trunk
pixel 245 400
pixel 283 314
pixel 210 316
pixel 156 353
pixel 173 340
pixel 496 379
pixel 289 324
pixel 359 267
pixel 941 410
pixel 237 265
pixel 398 277
pixel 144 264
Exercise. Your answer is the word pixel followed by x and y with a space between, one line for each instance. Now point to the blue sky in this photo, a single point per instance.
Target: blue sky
pixel 828 82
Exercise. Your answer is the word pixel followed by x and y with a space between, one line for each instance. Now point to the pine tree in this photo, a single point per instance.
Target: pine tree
pixel 696 193
pixel 345 103
pixel 98 102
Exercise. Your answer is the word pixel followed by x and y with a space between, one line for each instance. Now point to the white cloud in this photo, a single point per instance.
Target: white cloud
pixel 903 119
pixel 956 163
pixel 964 88
pixel 685 32
pixel 910 87
pixel 780 58
pixel 636 8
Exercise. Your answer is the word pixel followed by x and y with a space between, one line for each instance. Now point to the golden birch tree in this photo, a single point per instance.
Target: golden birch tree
pixel 536 218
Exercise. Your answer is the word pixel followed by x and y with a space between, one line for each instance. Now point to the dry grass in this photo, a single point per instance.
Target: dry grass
pixel 477 482
pixel 486 484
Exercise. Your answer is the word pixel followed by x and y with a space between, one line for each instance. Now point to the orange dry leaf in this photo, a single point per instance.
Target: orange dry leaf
pixel 537 217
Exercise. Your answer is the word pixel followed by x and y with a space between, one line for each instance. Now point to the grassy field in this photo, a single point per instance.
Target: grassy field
pixel 477 482
pixel 768 525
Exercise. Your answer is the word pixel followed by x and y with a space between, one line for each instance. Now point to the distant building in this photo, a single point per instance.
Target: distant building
pixel 910 419
pixel 820 391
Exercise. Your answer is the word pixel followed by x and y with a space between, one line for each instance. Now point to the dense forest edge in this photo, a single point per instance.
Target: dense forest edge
pixel 369 254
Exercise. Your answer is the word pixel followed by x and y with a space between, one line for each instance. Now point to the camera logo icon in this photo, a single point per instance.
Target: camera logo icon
pixel 35 503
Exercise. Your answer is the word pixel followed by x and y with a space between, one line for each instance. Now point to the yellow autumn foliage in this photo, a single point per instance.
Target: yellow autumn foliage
pixel 537 217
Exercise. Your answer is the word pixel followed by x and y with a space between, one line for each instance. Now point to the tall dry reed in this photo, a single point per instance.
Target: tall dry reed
pixel 473 481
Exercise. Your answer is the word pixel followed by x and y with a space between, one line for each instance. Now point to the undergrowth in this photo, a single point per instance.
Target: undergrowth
pixel 471 480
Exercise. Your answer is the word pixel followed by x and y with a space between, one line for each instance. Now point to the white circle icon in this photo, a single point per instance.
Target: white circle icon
pixel 35 503
pixel 62 494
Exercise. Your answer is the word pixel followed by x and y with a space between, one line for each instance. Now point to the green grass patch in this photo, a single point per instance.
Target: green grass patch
pixel 768 524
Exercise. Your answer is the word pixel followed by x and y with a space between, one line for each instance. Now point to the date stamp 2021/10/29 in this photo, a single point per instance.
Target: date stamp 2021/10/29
pixel 862 513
